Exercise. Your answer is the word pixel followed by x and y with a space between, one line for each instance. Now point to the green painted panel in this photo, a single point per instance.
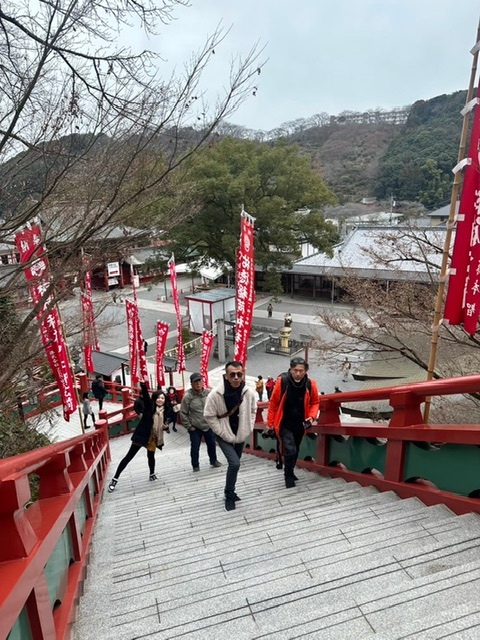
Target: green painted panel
pixel 81 513
pixel 115 429
pixel 357 454
pixel 21 629
pixel 56 568
pixel 266 444
pixel 452 467
pixel 132 424
pixel 91 486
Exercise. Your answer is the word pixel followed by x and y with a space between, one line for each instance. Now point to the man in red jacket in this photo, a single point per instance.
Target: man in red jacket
pixel 293 407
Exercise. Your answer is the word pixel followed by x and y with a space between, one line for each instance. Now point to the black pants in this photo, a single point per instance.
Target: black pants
pixel 291 441
pixel 131 453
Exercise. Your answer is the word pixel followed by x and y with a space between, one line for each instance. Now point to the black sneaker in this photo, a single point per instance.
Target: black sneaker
pixel 196 468
pixel 174 428
pixel 229 504
pixel 295 478
pixel 153 477
pixel 289 482
pixel 216 464
pixel 234 497
pixel 112 485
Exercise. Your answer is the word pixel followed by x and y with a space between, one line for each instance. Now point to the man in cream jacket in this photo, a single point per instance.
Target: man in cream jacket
pixel 230 411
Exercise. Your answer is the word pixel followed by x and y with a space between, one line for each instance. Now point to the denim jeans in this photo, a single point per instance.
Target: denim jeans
pixel 195 442
pixel 233 453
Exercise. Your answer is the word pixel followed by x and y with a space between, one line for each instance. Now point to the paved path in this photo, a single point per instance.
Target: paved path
pixel 326 560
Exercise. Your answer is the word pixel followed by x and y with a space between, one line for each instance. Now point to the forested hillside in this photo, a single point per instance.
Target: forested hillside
pixel 410 161
pixel 418 162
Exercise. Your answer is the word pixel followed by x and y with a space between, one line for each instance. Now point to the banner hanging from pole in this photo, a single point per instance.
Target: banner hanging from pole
pixel 132 328
pixel 462 304
pixel 141 356
pixel 32 255
pixel 207 343
pixel 245 287
pixel 176 304
pixel 88 292
pixel 162 334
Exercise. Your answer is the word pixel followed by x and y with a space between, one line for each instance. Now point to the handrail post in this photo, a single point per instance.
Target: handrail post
pixel 54 476
pixel 17 536
pixel 406 412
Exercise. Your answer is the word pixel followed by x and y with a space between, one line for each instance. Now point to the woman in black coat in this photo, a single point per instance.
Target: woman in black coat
pixel 148 433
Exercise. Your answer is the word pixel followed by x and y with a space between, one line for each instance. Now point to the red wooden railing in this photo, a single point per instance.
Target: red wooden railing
pixel 70 477
pixel 405 426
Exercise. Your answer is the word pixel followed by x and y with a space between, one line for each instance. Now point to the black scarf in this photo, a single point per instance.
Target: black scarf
pixel 294 406
pixel 232 398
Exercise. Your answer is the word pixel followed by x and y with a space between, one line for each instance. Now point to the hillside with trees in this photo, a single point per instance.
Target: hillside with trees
pixel 408 152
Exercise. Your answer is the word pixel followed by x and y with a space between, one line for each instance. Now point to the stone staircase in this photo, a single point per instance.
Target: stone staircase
pixel 325 560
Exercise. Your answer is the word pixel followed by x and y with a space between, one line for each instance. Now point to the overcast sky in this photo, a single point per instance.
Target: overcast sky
pixel 331 55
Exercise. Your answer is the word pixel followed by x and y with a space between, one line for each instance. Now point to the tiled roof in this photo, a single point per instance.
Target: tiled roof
pixel 400 253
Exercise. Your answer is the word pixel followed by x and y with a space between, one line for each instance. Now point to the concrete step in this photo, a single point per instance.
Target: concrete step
pixel 327 559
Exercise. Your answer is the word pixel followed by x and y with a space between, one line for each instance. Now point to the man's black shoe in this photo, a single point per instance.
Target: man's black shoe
pixel 289 482
pixel 229 504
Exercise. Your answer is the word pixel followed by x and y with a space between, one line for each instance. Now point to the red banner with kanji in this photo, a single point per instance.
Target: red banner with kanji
pixel 462 304
pixel 207 343
pixel 176 304
pixel 138 352
pixel 32 255
pixel 162 334
pixel 132 329
pixel 245 287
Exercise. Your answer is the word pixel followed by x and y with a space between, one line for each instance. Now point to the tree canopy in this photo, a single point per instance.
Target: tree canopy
pixel 275 184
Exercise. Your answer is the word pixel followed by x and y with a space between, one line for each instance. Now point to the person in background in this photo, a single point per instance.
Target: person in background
pixel 230 411
pixel 270 383
pixel 87 410
pixel 99 391
pixel 259 386
pixel 287 319
pixel 346 366
pixel 148 433
pixel 269 309
pixel 145 346
pixel 191 413
pixel 293 407
pixel 172 408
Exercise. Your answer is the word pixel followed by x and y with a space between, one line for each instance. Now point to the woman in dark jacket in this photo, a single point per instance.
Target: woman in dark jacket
pixel 148 433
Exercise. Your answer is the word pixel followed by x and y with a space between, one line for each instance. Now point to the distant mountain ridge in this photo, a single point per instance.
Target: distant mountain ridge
pixel 409 158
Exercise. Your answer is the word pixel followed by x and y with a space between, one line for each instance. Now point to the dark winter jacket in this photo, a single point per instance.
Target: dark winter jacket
pixel 98 389
pixel 141 435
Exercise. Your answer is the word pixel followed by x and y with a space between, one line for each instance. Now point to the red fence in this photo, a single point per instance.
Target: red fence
pixel 436 463
pixel 45 539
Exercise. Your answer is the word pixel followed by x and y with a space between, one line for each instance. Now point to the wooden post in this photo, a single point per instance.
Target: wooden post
pixel 437 316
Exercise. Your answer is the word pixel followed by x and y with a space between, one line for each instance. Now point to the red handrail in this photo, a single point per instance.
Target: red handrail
pixel 29 530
